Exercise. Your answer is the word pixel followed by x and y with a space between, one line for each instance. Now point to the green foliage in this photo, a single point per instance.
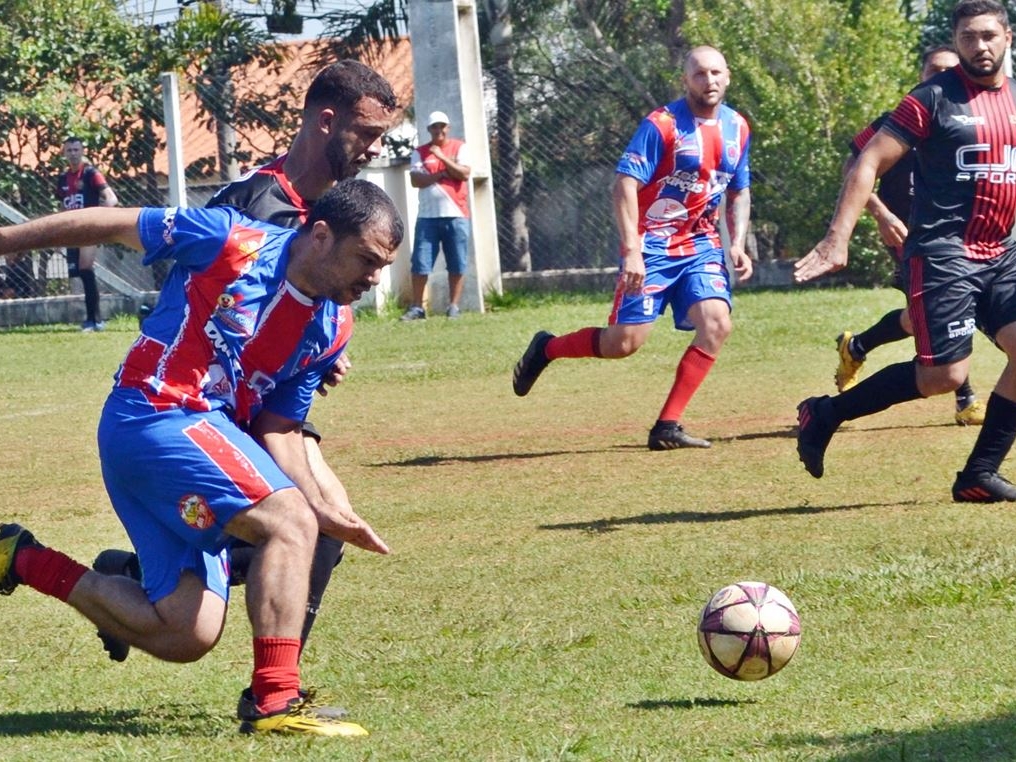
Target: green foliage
pixel 808 74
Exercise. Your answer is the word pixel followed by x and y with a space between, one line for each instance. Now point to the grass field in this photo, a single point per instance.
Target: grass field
pixel 541 599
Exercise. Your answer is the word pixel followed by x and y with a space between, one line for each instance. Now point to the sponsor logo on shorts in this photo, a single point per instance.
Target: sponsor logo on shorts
pixel 965 328
pixel 718 284
pixel 195 512
pixel 968 120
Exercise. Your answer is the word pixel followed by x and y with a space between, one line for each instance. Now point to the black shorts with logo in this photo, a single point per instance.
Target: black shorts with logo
pixel 950 296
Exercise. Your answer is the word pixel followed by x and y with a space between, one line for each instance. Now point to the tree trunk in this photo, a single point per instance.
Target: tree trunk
pixel 512 222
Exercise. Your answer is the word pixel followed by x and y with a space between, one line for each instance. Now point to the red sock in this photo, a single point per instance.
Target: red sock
pixel 584 342
pixel 691 372
pixel 48 571
pixel 276 679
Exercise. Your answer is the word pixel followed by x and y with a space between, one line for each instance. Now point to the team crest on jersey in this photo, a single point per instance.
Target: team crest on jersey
pixel 225 301
pixel 195 512
pixel 732 150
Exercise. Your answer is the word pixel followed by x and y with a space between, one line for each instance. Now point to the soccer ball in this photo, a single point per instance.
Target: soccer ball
pixel 749 631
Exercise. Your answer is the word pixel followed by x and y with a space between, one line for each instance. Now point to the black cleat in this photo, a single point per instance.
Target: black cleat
pixel 531 365
pixel 670 435
pixel 983 487
pixel 116 563
pixel 813 435
pixel 13 537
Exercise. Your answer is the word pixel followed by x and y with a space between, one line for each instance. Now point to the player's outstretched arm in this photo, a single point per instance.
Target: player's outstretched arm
pixel 283 439
pixel 830 254
pixel 77 227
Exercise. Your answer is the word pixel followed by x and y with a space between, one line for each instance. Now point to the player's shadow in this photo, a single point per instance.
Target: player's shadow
pixel 692 703
pixel 440 460
pixel 154 721
pixel 614 523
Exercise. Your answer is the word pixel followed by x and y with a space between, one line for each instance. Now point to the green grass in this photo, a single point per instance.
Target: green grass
pixel 541 599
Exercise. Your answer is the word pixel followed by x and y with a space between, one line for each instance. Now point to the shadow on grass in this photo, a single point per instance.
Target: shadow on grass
pixel 985 740
pixel 437 460
pixel 153 721
pixel 693 703
pixel 704 517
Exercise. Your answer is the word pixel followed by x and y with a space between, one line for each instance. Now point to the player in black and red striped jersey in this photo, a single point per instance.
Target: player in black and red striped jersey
pixel 959 257
pixel 890 207
pixel 81 186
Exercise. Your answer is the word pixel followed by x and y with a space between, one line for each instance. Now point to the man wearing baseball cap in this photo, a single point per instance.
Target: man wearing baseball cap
pixel 440 169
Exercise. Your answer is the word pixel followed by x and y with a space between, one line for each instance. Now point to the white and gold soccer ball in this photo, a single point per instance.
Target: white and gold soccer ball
pixel 749 631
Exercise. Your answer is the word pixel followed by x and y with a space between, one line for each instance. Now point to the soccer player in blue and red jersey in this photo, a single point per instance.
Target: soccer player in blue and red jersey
pixel 347 109
pixel 683 159
pixel 200 439
pixel 890 206
pixel 959 257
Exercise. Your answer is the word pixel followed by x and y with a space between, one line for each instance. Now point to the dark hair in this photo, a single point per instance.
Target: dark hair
pixel 354 205
pixel 967 8
pixel 73 139
pixel 929 52
pixel 345 82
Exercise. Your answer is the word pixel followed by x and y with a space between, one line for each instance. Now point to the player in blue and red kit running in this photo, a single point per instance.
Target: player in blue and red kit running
pixel 959 257
pixel 890 206
pixel 683 159
pixel 200 439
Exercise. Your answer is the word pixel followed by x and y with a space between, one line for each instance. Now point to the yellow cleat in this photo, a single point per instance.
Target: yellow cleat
pixel 971 415
pixel 849 369
pixel 302 717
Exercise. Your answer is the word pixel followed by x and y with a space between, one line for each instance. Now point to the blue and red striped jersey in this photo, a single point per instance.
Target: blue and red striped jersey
pixel 685 164
pixel 229 331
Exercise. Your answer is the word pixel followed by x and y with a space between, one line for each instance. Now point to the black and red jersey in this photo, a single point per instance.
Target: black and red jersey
pixel 896 185
pixel 965 173
pixel 266 194
pixel 80 189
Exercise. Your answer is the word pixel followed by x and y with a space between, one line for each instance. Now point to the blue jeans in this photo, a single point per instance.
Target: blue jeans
pixel 450 234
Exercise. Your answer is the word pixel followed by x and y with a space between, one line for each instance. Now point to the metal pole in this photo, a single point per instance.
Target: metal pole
pixel 174 141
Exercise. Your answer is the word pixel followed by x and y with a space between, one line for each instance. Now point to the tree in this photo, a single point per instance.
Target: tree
pixel 808 74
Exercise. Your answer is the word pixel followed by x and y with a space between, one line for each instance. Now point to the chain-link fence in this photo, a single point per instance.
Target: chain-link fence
pixel 562 104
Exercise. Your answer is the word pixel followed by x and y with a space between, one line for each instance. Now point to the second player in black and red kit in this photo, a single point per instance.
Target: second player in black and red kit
pixel 959 259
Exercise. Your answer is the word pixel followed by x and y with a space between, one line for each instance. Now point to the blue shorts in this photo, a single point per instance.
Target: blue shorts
pixel 176 477
pixel 678 282
pixel 449 234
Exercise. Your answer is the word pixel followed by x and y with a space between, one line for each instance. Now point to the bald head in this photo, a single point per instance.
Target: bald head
pixel 705 79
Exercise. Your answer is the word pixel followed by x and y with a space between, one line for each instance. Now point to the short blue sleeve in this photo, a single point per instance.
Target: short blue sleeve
pixel 193 237
pixel 642 156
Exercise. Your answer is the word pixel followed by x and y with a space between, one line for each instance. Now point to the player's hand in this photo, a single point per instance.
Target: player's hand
pixel 743 266
pixel 437 153
pixel 349 527
pixel 335 375
pixel 826 257
pixel 892 231
pixel 633 273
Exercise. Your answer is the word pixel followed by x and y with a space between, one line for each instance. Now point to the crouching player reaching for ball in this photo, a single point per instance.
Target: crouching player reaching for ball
pixel 200 440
